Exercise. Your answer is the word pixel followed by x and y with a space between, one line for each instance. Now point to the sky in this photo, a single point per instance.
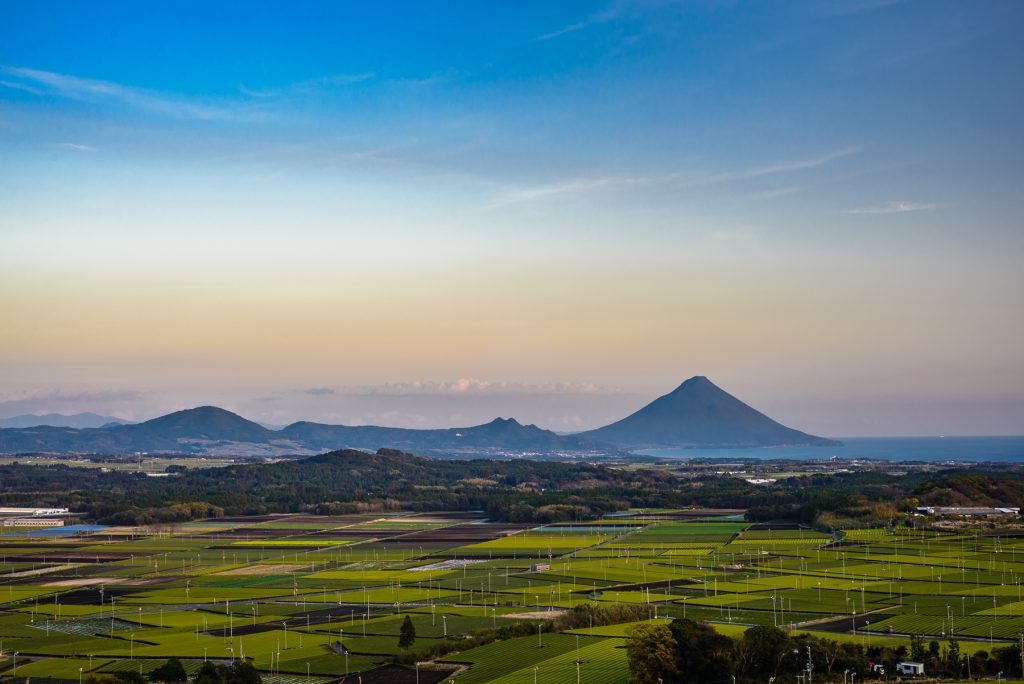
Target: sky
pixel 428 214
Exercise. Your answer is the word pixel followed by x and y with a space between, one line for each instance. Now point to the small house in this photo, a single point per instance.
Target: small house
pixel 909 668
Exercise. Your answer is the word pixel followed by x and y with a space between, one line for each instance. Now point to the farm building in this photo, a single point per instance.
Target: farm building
pixel 969 511
pixel 31 522
pixel 32 517
pixel 910 668
pixel 23 512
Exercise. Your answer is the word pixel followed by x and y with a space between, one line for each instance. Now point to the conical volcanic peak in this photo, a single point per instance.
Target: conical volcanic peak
pixel 698 413
pixel 694 382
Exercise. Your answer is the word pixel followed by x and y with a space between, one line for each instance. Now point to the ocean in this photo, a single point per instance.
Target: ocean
pixel 936 449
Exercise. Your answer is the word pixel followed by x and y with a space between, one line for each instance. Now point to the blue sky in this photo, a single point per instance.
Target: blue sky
pixel 817 204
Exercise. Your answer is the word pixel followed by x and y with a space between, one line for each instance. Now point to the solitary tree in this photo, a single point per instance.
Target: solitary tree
pixel 407 634
pixel 651 652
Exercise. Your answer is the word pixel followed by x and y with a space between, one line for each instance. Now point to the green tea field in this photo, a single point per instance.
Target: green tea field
pixel 314 598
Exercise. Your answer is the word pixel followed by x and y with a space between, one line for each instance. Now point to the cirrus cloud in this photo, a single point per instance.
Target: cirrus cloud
pixel 895 208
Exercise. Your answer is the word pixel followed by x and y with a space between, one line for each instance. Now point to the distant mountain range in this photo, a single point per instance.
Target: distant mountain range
pixel 203 430
pixel 696 414
pixel 213 430
pixel 77 420
pixel 501 434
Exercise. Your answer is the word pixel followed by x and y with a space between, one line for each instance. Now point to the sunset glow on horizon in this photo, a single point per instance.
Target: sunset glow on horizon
pixel 420 216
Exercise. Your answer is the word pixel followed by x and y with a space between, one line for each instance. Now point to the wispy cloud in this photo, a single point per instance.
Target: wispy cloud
pixel 458 387
pixel 65 400
pixel 772 169
pixel 478 386
pixel 895 208
pixel 581 184
pixel 75 147
pixel 24 87
pixel 601 17
pixel 72 87
pixel 308 86
pixel 772 193
pixel 565 187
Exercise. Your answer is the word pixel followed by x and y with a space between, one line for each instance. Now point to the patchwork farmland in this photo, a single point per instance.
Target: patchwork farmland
pixel 318 598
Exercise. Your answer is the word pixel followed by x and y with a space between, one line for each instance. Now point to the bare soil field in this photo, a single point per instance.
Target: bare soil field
pixel 275 569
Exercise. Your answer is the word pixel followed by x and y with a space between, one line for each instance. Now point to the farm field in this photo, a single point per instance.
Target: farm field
pixel 302 596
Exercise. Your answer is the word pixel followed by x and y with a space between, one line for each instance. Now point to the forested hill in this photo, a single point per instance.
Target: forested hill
pixel 509 490
pixel 972 489
pixel 339 481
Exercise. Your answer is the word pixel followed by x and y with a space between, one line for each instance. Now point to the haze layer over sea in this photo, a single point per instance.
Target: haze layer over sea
pixel 1005 449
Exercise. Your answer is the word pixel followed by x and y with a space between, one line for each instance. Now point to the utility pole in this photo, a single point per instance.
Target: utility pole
pixel 577 659
pixel 1022 653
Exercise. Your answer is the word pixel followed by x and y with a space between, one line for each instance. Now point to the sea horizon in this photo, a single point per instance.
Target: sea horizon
pixel 975 449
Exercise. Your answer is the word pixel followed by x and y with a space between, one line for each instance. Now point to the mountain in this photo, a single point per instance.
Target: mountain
pixel 499 436
pixel 206 429
pixel 696 414
pixel 700 414
pixel 203 423
pixel 77 420
pixel 212 430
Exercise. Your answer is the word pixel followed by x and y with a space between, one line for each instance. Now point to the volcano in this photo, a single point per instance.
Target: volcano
pixel 698 413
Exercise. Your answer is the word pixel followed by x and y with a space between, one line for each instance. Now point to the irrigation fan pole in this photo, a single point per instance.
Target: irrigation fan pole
pixel 1021 653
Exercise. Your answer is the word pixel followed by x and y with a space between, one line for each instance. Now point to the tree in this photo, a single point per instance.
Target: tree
pixel 171 671
pixel 953 664
pixel 651 653
pixel 917 648
pixel 407 633
pixel 933 662
pixel 762 650
pixel 240 672
pixel 128 677
pixel 208 674
pixel 1007 659
pixel 702 655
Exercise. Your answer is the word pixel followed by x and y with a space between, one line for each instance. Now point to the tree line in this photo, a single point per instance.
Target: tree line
pixel 690 652
pixel 521 491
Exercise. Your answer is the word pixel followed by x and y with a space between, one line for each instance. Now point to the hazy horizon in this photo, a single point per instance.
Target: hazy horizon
pixel 556 407
pixel 431 215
